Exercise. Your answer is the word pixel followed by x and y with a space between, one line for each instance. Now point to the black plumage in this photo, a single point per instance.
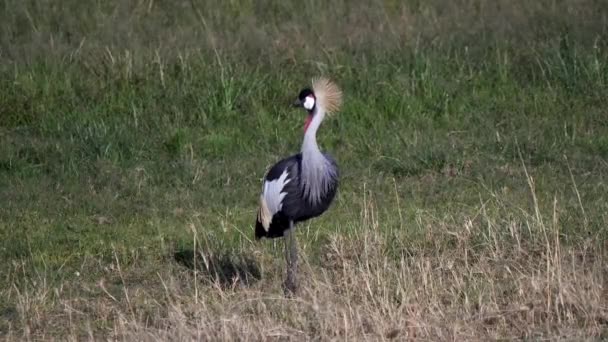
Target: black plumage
pixel 295 207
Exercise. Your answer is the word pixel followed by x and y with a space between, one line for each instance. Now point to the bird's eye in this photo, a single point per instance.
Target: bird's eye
pixel 309 102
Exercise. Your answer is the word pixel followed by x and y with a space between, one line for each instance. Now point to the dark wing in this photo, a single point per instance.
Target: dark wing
pixel 281 186
pixel 282 200
pixel 298 208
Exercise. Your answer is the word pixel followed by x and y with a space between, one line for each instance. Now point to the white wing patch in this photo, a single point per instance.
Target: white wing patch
pixel 271 200
pixel 273 192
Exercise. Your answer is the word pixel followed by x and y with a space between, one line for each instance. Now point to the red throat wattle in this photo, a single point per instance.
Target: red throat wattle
pixel 307 122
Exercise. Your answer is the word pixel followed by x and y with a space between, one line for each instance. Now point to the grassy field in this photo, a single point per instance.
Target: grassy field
pixel 473 145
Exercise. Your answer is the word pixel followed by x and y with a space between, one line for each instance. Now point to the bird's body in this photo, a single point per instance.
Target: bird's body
pixel 295 205
pixel 304 185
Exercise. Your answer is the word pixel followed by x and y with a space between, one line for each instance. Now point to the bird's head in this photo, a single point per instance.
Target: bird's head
pixel 306 99
pixel 324 96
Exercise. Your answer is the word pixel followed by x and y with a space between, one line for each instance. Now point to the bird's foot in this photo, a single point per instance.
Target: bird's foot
pixel 290 287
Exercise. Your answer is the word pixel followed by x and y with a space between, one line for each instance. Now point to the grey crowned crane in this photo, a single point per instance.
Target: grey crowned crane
pixel 303 185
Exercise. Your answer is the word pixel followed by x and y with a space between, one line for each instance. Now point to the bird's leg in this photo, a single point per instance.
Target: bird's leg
pixel 291 258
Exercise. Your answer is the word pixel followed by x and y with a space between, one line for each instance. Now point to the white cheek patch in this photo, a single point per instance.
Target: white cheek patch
pixel 309 102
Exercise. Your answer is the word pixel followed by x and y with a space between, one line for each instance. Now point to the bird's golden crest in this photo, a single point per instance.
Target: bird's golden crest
pixel 328 94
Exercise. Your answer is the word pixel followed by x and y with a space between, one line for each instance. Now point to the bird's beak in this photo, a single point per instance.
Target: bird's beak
pixel 297 103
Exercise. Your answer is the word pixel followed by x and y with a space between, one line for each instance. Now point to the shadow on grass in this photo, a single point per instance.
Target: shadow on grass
pixel 224 268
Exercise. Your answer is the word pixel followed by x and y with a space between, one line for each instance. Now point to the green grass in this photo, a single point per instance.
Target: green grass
pixel 470 129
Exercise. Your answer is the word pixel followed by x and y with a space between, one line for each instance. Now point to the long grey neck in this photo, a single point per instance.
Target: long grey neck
pixel 309 145
pixel 317 171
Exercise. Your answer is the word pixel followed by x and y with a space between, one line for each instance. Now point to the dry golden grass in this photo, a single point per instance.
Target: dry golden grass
pixel 492 280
